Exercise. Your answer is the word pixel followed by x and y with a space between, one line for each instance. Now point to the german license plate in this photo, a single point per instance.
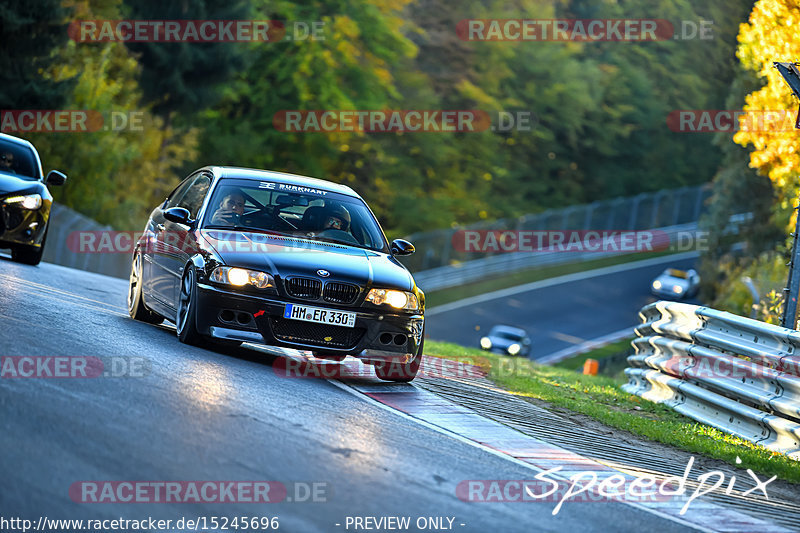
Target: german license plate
pixel 319 315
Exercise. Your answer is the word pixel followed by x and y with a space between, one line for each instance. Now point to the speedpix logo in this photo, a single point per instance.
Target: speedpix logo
pixel 604 486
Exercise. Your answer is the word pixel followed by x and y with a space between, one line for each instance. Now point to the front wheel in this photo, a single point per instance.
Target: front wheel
pixel 401 372
pixel 186 319
pixel 136 307
pixel 29 255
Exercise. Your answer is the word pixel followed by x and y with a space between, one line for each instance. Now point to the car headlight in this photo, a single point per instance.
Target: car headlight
pixel 514 349
pixel 29 201
pixel 677 289
pixel 396 299
pixel 486 343
pixel 239 277
pixel 656 284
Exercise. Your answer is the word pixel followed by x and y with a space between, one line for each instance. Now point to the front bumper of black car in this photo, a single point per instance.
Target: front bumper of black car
pixel 21 226
pixel 376 336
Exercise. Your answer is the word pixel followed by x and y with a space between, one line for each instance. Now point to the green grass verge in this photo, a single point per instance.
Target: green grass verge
pixel 602 399
pixel 444 296
pixel 613 349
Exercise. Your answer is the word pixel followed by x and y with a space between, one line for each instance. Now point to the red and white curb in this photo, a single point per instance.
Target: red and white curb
pixel 461 423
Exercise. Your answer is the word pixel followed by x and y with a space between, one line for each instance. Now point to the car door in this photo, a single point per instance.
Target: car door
pixel 181 243
pixel 152 273
pixel 166 242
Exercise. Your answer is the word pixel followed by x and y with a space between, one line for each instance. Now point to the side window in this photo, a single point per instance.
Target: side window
pixel 177 194
pixel 195 194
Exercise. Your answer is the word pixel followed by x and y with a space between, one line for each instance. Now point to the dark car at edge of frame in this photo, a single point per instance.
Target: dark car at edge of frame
pixel 240 255
pixel 25 201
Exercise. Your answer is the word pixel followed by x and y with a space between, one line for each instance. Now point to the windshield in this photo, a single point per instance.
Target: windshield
pixel 18 160
pixel 292 210
pixel 505 334
pixel 675 273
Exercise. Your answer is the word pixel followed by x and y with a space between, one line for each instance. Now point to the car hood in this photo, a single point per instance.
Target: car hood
pixel 286 256
pixel 12 184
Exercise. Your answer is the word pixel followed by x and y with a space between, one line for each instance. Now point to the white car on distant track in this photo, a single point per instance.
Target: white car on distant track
pixel 676 284
pixel 507 340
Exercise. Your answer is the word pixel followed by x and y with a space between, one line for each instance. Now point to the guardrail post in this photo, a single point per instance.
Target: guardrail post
pixel 635 211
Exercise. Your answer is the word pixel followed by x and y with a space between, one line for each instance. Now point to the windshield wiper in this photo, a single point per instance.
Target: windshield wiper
pixel 337 241
pixel 240 227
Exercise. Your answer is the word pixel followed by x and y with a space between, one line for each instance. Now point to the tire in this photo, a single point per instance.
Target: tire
pixel 136 307
pixel 29 255
pixel 186 317
pixel 401 372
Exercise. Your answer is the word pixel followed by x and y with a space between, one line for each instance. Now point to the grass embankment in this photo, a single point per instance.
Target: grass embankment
pixel 612 359
pixel 602 399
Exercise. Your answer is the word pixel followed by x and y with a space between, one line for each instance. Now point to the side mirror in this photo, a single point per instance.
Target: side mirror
pixel 401 247
pixel 179 215
pixel 54 177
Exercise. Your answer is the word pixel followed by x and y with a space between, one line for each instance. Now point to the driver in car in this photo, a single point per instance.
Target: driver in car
pixel 7 162
pixel 337 217
pixel 230 209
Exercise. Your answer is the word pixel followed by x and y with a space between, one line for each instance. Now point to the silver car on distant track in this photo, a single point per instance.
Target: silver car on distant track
pixel 507 340
pixel 676 284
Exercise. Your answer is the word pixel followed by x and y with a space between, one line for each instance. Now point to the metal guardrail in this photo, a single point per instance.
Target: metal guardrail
pixel 664 208
pixel 64 221
pixel 736 374
pixel 497 265
pixel 501 264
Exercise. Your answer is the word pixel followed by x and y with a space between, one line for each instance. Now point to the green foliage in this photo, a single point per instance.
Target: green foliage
pixel 185 77
pixel 600 108
pixel 115 177
pixel 768 273
pixel 29 32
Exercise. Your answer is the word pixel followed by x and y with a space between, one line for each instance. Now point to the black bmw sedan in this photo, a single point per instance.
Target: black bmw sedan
pixel 239 255
pixel 24 199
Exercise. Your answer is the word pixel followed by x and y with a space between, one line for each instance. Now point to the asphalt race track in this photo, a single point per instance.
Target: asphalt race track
pixel 197 414
pixel 557 316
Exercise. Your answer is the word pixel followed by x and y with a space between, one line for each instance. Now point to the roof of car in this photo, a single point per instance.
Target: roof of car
pixel 508 329
pixel 11 138
pixel 283 177
pixel 27 144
